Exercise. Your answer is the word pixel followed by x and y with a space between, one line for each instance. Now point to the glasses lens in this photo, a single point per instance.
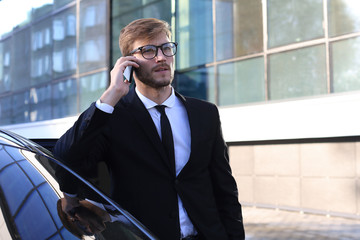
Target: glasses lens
pixel 148 51
pixel 169 49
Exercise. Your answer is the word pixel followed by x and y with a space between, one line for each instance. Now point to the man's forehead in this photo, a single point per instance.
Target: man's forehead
pixel 153 41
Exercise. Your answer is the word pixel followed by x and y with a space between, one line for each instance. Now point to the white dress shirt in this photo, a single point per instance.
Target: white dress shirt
pixel 180 127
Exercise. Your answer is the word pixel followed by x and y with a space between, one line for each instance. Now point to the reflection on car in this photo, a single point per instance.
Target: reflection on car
pixel 30 200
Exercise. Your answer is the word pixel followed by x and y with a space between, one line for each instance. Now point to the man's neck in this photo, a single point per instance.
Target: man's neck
pixel 157 95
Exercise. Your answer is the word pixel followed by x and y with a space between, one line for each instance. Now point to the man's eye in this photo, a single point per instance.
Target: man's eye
pixel 148 50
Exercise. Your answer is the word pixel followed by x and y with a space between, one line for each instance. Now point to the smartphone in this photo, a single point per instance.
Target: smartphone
pixel 128 73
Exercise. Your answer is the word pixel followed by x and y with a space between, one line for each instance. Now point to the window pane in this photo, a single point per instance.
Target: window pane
pixel 199 83
pixel 304 74
pixel 194 33
pixel 64 56
pixel 33 220
pixel 5 110
pixel 93 40
pixel 238 28
pixel 291 21
pixel 15 190
pixel 40 103
pixel 20 107
pixel 20 73
pixel 41 52
pixel 345 65
pixel 241 82
pixel 343 17
pixel 91 88
pixel 64 98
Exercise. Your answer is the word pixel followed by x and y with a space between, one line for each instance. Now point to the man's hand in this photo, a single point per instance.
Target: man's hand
pixel 68 203
pixel 118 87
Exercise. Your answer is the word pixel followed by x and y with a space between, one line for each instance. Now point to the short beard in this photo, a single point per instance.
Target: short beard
pixel 149 81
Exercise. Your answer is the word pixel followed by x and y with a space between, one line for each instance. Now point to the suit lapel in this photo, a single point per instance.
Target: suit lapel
pixel 142 116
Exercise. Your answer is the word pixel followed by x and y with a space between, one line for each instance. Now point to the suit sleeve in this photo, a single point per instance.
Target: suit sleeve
pixel 225 188
pixel 82 147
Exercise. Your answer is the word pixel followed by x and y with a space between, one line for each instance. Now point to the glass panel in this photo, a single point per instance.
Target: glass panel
pixel 65 98
pixel 20 107
pixel 33 220
pixel 40 103
pixel 194 33
pixel 41 52
pixel 5 111
pixel 91 88
pixel 30 171
pixel 291 21
pixel 20 73
pixel 304 74
pixel 239 29
pixel 6 65
pixel 16 188
pixel 15 152
pixel 126 11
pixel 242 82
pixel 5 157
pixel 199 83
pixel 345 65
pixel 50 198
pixel 64 58
pixel 93 35
pixel 343 16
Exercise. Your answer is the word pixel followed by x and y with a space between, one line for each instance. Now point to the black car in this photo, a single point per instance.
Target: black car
pixel 30 199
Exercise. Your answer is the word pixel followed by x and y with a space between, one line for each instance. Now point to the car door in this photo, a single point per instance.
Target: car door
pixel 30 200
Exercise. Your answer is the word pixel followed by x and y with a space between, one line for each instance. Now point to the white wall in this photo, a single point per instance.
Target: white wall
pixel 325 116
pixel 42 129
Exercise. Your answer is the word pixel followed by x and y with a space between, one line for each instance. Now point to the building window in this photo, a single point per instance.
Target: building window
pixel 239 29
pixel 292 21
pixel 345 65
pixel 304 74
pixel 241 82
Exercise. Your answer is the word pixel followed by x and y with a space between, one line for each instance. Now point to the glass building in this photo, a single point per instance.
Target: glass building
pixel 284 73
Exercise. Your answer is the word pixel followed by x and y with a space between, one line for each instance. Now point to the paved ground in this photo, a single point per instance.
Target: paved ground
pixel 271 224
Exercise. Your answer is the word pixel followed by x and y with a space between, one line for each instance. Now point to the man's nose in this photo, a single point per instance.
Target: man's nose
pixel 160 56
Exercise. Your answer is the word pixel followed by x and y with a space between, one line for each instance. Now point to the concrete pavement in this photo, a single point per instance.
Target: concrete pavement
pixel 271 224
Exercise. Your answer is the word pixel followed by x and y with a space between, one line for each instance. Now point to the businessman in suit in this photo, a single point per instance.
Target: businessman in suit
pixel 179 186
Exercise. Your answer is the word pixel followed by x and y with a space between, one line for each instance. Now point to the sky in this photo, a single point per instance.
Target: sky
pixel 14 12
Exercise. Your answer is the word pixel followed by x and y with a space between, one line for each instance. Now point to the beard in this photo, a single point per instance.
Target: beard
pixel 147 78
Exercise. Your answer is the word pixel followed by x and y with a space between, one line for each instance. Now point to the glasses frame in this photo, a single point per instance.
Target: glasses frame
pixel 157 50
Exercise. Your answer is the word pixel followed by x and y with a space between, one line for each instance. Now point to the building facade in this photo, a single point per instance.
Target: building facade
pixel 284 73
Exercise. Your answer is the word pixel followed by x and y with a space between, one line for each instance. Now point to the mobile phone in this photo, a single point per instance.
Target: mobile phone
pixel 128 73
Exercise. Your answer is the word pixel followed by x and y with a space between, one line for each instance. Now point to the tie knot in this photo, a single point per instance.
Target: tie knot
pixel 160 108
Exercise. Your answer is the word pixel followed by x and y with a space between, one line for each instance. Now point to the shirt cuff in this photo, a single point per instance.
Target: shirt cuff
pixel 104 107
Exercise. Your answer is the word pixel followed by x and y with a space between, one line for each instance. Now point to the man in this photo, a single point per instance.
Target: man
pixel 180 192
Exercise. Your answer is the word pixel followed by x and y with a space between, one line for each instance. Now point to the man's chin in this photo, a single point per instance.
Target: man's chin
pixel 156 83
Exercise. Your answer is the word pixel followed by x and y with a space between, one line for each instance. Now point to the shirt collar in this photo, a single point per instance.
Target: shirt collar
pixel 170 102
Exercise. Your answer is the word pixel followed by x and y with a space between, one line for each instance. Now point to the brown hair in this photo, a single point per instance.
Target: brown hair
pixel 145 28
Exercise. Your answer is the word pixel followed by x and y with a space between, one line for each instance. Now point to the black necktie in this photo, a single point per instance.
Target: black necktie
pixel 166 134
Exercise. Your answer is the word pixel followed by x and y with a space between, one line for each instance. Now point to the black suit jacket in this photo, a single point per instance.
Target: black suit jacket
pixel 143 180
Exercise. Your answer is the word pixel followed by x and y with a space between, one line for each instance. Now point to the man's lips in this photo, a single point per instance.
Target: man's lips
pixel 161 68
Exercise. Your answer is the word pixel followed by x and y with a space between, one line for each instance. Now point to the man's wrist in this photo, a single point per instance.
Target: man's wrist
pixel 104 106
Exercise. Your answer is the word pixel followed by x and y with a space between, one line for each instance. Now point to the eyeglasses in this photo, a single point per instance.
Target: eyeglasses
pixel 151 51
